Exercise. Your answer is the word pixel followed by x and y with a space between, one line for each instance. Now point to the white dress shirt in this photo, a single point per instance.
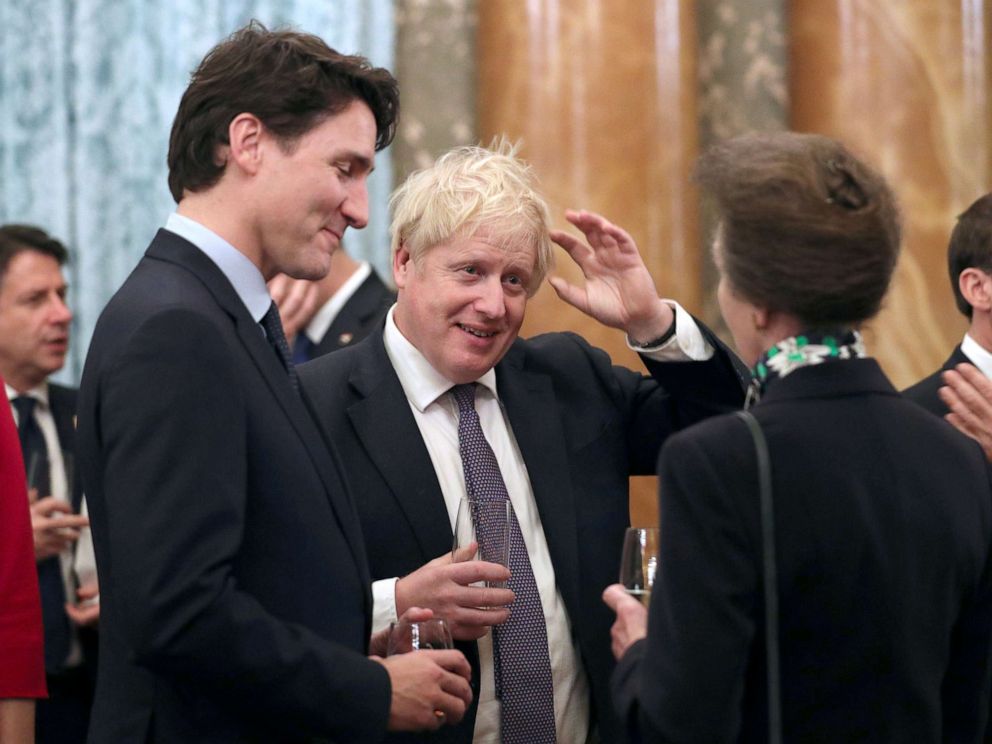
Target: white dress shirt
pixel 61 489
pixel 243 275
pixel 322 319
pixel 436 415
pixel 977 354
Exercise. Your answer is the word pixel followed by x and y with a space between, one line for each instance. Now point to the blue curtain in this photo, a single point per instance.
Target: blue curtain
pixel 88 91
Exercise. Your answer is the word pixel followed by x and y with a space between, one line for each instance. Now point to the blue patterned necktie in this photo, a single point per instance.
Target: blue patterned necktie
pixel 277 339
pixel 520 645
pixel 50 584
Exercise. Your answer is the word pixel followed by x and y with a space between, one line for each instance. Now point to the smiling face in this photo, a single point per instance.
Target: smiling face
pixel 311 191
pixel 461 303
pixel 34 320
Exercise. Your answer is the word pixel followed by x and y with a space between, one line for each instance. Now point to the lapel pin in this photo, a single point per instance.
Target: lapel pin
pixel 345 338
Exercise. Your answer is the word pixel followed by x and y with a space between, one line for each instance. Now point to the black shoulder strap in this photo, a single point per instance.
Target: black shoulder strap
pixel 770 577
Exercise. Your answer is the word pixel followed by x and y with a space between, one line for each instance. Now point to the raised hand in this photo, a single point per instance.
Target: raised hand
pixel 619 291
pixel 296 300
pixel 444 587
pixel 968 393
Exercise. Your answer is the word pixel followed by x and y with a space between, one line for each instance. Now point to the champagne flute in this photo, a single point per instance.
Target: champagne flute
pixel 493 519
pixel 639 561
pixel 406 636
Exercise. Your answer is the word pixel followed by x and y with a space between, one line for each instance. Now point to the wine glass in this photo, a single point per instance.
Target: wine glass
pixel 406 636
pixel 639 561
pixel 493 518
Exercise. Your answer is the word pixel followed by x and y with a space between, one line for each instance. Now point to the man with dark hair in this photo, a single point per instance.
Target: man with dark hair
pixel 969 262
pixel 34 338
pixel 234 579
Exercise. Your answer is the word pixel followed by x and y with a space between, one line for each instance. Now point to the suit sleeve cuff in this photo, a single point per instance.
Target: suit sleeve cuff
pixel 687 345
pixel 383 603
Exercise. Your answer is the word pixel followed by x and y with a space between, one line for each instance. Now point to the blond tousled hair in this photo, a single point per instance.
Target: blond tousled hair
pixel 471 189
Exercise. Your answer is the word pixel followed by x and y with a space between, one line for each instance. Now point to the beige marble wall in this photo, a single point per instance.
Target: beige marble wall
pixel 436 67
pixel 906 83
pixel 603 95
pixel 742 88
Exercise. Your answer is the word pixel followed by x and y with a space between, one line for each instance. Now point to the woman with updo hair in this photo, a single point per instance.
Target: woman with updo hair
pixel 882 512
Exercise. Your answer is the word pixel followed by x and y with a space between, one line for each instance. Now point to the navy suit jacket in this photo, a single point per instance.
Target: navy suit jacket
pixel 361 314
pixel 234 583
pixel 583 427
pixel 924 392
pixel 883 529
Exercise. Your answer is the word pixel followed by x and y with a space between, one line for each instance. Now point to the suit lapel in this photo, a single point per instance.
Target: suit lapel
pixel 174 249
pixel 531 407
pixel 388 432
pixel 62 401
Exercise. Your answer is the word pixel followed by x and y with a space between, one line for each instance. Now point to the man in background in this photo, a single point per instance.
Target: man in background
pixel 34 338
pixel 334 312
pixel 234 579
pixel 969 262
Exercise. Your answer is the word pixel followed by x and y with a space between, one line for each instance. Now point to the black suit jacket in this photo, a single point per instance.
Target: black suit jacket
pixel 883 524
pixel 234 582
pixel 62 401
pixel 583 427
pixel 924 392
pixel 359 316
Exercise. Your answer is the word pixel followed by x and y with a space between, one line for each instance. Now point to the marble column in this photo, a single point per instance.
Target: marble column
pixel 906 84
pixel 603 95
pixel 435 65
pixel 742 88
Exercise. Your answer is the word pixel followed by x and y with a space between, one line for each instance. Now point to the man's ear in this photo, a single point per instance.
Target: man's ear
pixel 760 317
pixel 976 287
pixel 245 134
pixel 402 265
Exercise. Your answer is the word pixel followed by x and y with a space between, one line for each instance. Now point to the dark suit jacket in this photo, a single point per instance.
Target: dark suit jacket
pixel 361 314
pixel 883 523
pixel 234 582
pixel 924 392
pixel 583 427
pixel 62 401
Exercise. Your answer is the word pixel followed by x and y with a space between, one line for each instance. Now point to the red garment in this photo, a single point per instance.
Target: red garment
pixel 22 659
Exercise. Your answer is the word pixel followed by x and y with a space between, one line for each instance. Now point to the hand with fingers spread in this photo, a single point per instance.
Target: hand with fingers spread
pixel 632 619
pixel 296 300
pixel 619 291
pixel 445 587
pixel 968 394
pixel 55 526
pixel 429 689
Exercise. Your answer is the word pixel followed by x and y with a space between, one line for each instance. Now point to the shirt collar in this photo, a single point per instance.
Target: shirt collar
pixel 422 383
pixel 977 354
pixel 39 393
pixel 243 275
pixel 325 316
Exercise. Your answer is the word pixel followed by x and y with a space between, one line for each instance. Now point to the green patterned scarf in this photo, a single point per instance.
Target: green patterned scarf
pixel 804 350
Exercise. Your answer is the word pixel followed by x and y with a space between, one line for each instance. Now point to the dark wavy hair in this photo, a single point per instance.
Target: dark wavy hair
pixel 290 80
pixel 806 228
pixel 15 239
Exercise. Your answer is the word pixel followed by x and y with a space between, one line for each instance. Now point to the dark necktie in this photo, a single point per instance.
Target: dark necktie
pixel 50 583
pixel 520 645
pixel 302 348
pixel 277 339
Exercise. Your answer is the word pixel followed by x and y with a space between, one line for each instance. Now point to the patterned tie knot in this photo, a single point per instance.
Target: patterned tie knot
pixel 464 397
